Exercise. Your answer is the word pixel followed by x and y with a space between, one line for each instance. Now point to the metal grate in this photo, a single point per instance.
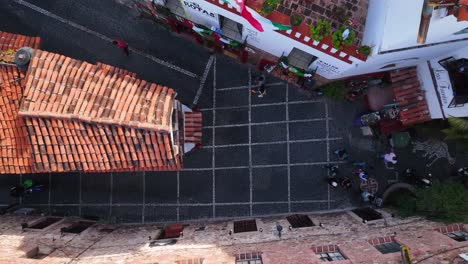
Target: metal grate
pixel 299 220
pixel 245 226
pixel 249 258
pixel 387 248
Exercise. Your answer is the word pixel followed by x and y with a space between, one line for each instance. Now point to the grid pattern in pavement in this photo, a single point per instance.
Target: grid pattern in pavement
pixel 260 156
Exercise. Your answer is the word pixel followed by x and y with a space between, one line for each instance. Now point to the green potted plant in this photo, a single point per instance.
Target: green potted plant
pixel 320 29
pixel 295 19
pixel 269 6
pixel 364 50
pixel 338 40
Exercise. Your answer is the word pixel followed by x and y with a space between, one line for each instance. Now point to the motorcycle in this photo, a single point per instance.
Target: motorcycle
pixel 463 172
pixel 20 191
pixel 415 179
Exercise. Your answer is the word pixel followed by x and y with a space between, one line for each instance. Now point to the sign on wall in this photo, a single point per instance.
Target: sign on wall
pixel 197 13
pixel 324 68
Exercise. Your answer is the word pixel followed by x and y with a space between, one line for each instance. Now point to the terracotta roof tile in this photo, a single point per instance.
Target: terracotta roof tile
pixel 409 96
pixel 79 116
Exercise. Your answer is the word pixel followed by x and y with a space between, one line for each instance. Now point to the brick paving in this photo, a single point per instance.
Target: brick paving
pixel 314 9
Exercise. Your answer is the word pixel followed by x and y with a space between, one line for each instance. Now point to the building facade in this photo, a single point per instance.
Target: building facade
pixel 304 239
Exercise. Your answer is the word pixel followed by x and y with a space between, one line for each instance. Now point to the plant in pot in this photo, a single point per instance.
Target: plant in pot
pixel 320 29
pixel 338 38
pixel 295 19
pixel 269 6
pixel 364 50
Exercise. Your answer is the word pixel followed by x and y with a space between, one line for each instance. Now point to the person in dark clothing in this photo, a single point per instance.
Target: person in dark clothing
pixel 346 183
pixel 260 83
pixel 342 154
pixel 332 181
pixel 122 45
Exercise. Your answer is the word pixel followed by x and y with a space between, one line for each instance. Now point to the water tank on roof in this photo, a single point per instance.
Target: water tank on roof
pixel 22 58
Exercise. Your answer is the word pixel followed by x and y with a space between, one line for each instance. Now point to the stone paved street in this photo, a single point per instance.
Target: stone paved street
pixel 260 156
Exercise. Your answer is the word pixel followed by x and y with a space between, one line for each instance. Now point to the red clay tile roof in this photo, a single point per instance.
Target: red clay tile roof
pixel 409 96
pixel 15 151
pixel 462 14
pixel 10 43
pixel 76 116
pixel 63 88
pixel 193 127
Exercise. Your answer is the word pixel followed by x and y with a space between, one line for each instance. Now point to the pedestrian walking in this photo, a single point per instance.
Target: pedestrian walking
pixel 367 197
pixel 122 45
pixel 332 181
pixel 341 153
pixel 362 174
pixel 390 159
pixel 260 82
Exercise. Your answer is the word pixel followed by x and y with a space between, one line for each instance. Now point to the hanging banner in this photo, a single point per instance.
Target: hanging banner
pixel 197 13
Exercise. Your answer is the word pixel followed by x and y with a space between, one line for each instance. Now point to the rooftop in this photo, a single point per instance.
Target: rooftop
pixel 70 115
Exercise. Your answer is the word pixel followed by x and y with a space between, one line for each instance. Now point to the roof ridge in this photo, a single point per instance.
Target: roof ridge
pixel 65 88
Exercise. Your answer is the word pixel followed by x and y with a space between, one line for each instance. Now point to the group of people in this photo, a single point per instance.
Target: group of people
pixel 360 171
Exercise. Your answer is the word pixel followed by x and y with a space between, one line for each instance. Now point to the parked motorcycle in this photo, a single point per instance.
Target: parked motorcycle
pixel 463 172
pixel 20 190
pixel 417 180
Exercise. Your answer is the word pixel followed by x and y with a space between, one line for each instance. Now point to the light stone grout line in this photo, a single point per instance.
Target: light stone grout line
pixel 213 159
pixel 274 142
pixel 50 189
pixel 144 199
pixel 288 151
pixel 103 37
pixel 260 105
pixel 80 198
pixel 110 196
pixel 327 128
pixel 203 80
pixel 264 166
pixel 269 123
pixel 250 142
pixel 178 196
pixel 183 204
pixel 247 86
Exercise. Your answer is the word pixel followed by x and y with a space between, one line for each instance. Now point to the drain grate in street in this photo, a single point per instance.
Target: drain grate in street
pixel 245 226
pixel 45 222
pixel 367 213
pixel 299 220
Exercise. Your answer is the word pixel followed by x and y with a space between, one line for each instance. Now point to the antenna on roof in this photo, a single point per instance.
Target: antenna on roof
pixel 23 57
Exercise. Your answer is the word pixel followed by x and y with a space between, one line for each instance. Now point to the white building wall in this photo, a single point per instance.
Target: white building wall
pixel 277 44
pixel 394 24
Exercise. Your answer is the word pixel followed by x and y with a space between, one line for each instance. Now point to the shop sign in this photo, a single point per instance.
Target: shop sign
pixel 443 86
pixel 325 68
pixel 199 14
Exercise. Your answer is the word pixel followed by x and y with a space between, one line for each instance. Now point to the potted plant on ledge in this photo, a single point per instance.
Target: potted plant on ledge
pixel 295 20
pixel 320 29
pixel 269 6
pixel 342 36
pixel 364 50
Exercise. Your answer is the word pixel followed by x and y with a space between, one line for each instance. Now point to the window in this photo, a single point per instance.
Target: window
pixel 44 222
pixel 245 226
pixel 367 213
pixel 249 258
pixel 459 236
pixel 387 248
pixel 328 253
pixel 298 221
pixel 331 256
